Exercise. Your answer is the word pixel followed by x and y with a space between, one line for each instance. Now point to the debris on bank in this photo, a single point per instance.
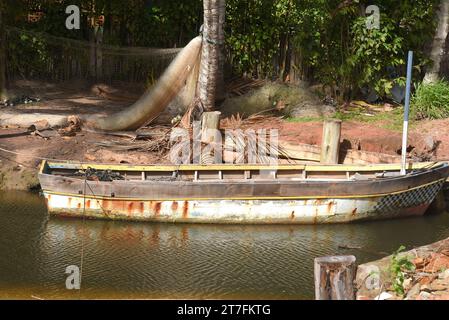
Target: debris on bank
pixel 295 101
pixel 19 100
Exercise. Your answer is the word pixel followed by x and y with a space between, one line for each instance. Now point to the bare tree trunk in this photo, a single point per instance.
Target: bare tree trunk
pixel 96 53
pixel 92 54
pixel 99 53
pixel 207 83
pixel 439 40
pixel 3 93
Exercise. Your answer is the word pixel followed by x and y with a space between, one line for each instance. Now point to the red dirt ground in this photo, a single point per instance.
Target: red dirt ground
pixel 367 137
pixel 73 100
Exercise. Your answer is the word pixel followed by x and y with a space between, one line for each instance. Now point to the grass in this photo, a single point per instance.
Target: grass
pixel 391 120
pixel 431 101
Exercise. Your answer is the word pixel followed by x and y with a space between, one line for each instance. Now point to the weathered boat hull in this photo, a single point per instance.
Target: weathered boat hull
pixel 251 202
pixel 233 211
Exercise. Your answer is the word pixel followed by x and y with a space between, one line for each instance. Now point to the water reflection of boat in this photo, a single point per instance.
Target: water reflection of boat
pixel 253 194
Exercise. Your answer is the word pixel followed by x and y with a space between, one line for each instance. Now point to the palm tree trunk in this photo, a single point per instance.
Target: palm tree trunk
pixel 439 40
pixel 3 93
pixel 210 59
pixel 221 91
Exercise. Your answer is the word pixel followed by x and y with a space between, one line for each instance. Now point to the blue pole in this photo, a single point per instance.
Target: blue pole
pixel 406 113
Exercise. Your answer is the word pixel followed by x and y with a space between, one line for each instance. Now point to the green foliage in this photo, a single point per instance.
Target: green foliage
pixel 324 41
pixel 373 50
pixel 330 41
pixel 431 101
pixel 253 30
pixel 143 23
pixel 399 266
pixel 31 47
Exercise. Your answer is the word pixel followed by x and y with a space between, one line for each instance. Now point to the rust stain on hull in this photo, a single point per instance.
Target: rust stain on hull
pixel 185 210
pixel 228 211
pixel 156 206
pixel 130 207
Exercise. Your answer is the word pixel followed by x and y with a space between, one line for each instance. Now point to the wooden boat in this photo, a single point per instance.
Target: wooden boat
pixel 246 194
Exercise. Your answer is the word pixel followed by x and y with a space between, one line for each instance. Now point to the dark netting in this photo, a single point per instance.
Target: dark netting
pixel 39 55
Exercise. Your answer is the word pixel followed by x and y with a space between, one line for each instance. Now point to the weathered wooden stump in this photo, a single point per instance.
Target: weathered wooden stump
pixel 210 135
pixel 334 278
pixel 210 124
pixel 330 144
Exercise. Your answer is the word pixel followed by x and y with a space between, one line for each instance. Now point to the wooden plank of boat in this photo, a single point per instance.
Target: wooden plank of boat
pixel 285 194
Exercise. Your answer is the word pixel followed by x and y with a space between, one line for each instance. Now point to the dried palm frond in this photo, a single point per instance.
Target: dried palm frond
pixel 155 139
pixel 254 147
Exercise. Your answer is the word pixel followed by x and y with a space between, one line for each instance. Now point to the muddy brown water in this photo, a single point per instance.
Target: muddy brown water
pixel 148 260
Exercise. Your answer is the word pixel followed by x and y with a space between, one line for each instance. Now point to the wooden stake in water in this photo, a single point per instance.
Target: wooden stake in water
pixel 406 113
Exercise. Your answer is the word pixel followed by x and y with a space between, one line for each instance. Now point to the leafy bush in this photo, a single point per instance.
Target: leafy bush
pixel 431 101
pixel 399 267
pixel 328 41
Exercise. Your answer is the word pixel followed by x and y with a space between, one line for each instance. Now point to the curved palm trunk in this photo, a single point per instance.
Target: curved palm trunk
pixel 213 36
pixel 147 108
pixel 438 44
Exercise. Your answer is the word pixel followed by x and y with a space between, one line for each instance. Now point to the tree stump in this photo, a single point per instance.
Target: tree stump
pixel 330 144
pixel 210 125
pixel 211 137
pixel 334 278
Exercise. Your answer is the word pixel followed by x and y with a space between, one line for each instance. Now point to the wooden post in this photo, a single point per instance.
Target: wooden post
pixel 330 144
pixel 210 120
pixel 334 278
pixel 210 135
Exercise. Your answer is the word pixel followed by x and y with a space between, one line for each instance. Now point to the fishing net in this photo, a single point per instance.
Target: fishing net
pixel 39 55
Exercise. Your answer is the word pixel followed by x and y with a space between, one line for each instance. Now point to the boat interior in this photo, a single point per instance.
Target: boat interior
pixel 226 172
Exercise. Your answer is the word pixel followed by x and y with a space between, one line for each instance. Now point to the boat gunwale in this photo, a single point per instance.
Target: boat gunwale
pixel 98 197
pixel 339 168
pixel 396 185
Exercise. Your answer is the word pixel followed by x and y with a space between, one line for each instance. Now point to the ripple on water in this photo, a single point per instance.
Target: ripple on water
pixel 126 260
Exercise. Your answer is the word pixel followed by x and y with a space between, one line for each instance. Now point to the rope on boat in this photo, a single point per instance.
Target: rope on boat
pixel 82 238
pixel 83 225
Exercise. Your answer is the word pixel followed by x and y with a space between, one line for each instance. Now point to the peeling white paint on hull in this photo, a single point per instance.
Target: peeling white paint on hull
pixel 233 211
pixel 291 194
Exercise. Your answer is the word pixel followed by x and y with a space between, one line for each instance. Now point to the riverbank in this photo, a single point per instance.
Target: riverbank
pixel 418 274
pixel 18 168
pixel 428 140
